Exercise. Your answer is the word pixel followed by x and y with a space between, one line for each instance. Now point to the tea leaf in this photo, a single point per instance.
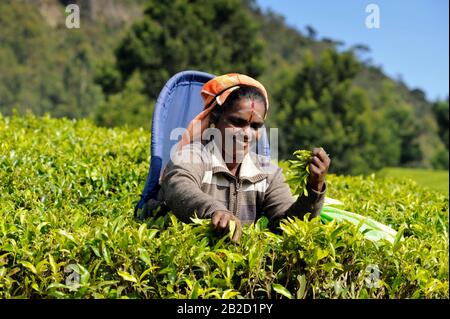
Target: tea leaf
pixel 126 276
pixel 282 290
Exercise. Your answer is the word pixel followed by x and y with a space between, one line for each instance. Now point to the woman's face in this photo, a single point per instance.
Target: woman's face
pixel 238 126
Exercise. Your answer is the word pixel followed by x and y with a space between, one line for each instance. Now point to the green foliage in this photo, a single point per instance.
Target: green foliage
pixel 66 230
pixel 405 128
pixel 441 112
pixel 212 36
pixel 44 68
pixel 112 69
pixel 129 107
pixel 434 179
pixel 440 159
pixel 320 104
pixel 327 111
pixel 298 172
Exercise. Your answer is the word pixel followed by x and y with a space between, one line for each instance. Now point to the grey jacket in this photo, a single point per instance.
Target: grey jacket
pixel 197 181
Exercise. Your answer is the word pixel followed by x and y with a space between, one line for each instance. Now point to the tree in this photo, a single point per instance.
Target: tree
pixel 399 117
pixel 440 159
pixel 212 36
pixel 129 107
pixel 321 107
pixel 441 113
pixel 311 32
pixel 44 69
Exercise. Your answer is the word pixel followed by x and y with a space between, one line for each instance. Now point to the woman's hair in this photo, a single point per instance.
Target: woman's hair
pixel 244 91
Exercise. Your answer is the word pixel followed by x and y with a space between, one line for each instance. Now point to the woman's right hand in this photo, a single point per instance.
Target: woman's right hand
pixel 221 224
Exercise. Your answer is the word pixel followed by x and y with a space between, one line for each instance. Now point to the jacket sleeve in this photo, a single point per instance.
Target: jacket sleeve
pixel 181 187
pixel 279 203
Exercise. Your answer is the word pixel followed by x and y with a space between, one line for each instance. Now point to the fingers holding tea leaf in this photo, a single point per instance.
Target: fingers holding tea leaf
pixel 321 156
pixel 220 220
pixel 235 230
pixel 223 221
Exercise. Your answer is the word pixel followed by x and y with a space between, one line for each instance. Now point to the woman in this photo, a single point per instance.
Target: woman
pixel 218 176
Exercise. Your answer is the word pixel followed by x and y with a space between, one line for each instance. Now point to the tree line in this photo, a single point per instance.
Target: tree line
pixel 320 95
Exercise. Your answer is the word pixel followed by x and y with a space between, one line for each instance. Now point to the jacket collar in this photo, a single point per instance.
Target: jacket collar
pixel 249 170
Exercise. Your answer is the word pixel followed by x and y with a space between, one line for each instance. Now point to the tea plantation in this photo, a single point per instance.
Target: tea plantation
pixel 67 193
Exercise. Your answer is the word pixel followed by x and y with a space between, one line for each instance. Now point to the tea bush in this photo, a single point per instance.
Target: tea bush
pixel 67 193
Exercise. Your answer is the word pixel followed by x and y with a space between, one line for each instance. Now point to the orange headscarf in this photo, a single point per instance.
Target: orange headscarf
pixel 214 94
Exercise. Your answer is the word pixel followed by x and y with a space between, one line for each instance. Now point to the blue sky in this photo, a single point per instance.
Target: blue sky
pixel 412 41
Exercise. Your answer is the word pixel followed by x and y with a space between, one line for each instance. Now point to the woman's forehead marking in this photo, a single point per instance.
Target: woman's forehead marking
pixel 249 104
pixel 252 105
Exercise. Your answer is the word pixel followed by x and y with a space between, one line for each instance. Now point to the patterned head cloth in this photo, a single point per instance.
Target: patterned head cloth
pixel 214 94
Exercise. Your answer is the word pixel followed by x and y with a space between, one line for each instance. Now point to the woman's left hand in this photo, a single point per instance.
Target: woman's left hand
pixel 320 162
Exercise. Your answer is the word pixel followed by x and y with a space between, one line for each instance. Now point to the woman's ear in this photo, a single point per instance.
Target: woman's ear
pixel 214 116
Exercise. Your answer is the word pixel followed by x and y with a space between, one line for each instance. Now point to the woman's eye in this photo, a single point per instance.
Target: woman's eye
pixel 238 122
pixel 256 126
